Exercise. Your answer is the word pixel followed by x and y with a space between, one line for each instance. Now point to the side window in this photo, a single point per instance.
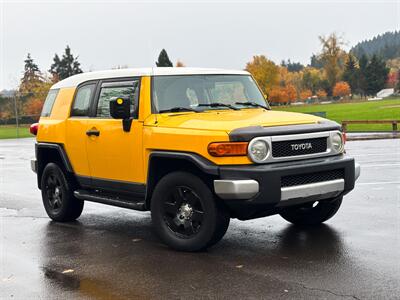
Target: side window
pixel 49 102
pixel 112 90
pixel 82 100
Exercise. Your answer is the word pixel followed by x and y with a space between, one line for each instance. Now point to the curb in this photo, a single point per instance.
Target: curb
pixel 373 137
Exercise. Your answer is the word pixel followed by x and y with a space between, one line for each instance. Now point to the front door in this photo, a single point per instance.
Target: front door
pixel 115 156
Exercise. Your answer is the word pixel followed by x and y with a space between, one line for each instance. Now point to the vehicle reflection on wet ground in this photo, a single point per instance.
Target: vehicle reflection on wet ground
pixel 112 253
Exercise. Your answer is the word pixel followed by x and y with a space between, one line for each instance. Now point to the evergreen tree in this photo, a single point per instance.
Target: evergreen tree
pixel 350 74
pixel 376 75
pixel 163 60
pixel 361 76
pixel 31 71
pixel 386 45
pixel 65 67
pixel 316 62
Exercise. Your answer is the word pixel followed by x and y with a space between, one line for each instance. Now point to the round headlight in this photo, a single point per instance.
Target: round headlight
pixel 337 142
pixel 258 151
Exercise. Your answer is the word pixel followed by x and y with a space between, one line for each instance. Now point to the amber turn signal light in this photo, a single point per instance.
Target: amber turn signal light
pixel 228 149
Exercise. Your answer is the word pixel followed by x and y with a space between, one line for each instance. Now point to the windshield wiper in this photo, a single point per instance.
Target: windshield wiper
pixel 217 104
pixel 251 103
pixel 178 109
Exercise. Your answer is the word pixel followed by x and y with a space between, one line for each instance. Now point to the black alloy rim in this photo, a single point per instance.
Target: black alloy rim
pixel 54 192
pixel 183 212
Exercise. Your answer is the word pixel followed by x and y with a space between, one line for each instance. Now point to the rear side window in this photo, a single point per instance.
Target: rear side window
pixel 81 104
pixel 49 102
pixel 112 90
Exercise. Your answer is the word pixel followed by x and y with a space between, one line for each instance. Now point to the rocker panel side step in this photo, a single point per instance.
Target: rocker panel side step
pixel 110 200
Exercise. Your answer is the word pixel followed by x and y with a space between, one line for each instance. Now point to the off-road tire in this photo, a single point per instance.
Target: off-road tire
pixel 193 191
pixel 58 195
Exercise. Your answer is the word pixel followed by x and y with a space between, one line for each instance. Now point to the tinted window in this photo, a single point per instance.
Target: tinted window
pixel 82 100
pixel 49 102
pixel 113 90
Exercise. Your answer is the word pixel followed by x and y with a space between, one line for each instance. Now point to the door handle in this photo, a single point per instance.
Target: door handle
pixel 94 132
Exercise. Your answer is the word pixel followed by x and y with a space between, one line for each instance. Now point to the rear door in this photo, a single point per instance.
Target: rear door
pixel 115 156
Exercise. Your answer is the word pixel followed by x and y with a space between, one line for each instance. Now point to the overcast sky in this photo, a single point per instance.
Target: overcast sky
pixel 223 34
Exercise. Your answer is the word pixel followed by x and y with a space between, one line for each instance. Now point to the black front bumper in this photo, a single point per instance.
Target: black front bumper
pixel 269 177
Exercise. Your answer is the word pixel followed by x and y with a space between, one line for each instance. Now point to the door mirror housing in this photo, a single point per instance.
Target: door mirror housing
pixel 120 108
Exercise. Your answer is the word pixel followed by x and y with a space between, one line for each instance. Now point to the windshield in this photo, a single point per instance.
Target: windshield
pixel 205 92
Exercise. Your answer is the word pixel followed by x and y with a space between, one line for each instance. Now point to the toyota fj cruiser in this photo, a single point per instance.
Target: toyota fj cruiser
pixel 195 147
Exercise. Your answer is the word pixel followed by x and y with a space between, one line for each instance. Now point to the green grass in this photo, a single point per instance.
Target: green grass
pixel 10 131
pixel 366 110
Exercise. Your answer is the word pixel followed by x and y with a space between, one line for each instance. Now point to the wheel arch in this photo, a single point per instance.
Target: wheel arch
pixel 163 162
pixel 48 152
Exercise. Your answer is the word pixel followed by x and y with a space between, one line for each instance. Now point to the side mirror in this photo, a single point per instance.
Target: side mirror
pixel 120 108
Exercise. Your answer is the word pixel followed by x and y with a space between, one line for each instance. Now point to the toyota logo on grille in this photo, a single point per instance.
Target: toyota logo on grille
pixel 302 146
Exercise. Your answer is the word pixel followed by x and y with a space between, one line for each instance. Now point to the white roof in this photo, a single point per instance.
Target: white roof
pixel 75 80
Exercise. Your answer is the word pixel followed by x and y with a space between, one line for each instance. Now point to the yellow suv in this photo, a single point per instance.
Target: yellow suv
pixel 195 147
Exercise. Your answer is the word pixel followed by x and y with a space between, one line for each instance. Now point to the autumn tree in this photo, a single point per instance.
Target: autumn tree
pixel 312 78
pixel 33 105
pixel 332 57
pixel 341 89
pixel 180 64
pixel 321 94
pixel 291 92
pixel 278 95
pixel 392 79
pixel 65 66
pixel 305 94
pixel 163 60
pixel 265 71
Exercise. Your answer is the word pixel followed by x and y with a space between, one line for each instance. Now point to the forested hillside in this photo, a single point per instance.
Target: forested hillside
pixel 387 46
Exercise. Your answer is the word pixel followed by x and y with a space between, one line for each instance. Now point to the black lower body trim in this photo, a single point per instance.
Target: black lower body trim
pixel 110 200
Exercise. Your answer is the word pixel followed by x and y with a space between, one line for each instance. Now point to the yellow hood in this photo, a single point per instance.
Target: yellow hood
pixel 228 120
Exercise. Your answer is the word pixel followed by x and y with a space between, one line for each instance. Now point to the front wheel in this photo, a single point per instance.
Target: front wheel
pixel 185 213
pixel 312 213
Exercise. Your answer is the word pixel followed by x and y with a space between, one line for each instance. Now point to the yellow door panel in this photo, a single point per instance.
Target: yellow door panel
pixel 115 154
pixel 75 145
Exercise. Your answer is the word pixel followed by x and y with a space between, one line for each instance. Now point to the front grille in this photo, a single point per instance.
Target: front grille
pixel 293 180
pixel 299 147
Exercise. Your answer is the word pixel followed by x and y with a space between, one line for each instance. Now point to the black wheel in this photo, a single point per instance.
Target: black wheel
pixel 185 213
pixel 57 195
pixel 312 213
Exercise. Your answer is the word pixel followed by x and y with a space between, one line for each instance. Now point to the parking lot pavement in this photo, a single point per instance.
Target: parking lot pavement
pixel 112 253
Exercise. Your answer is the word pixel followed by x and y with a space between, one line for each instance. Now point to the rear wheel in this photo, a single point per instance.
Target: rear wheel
pixel 312 213
pixel 185 213
pixel 57 195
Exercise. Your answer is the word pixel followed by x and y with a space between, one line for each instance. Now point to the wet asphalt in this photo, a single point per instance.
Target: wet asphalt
pixel 112 253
